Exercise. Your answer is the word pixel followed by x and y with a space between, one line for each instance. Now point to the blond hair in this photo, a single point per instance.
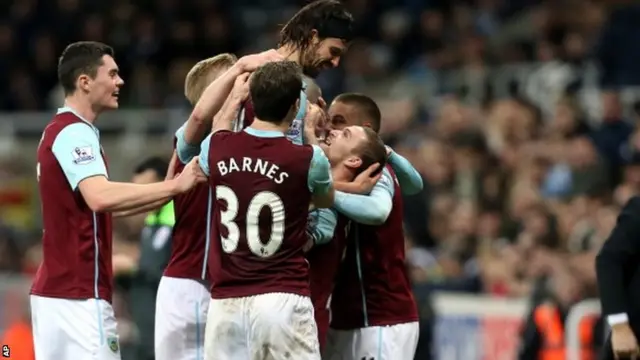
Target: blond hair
pixel 204 73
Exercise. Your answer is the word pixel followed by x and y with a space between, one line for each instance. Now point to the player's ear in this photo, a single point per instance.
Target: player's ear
pixel 83 82
pixel 353 162
pixel 314 38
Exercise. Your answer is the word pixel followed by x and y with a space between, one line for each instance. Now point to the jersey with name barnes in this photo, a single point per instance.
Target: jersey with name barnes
pixel 247 164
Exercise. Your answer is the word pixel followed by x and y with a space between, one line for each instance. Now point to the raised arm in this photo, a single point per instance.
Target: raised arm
pixel 225 117
pixel 408 177
pixel 87 173
pixel 321 225
pixel 199 122
pixel 319 180
pixel 372 209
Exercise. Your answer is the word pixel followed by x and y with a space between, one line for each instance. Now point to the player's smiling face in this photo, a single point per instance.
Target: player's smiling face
pixel 340 146
pixel 105 88
pixel 322 55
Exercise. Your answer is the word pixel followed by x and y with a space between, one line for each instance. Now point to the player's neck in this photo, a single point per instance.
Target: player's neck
pixel 290 53
pixel 82 107
pixel 341 173
pixel 261 125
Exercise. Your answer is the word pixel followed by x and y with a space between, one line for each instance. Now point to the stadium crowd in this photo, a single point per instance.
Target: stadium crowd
pixel 521 116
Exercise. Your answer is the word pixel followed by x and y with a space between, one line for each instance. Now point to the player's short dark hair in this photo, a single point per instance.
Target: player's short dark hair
pixel 369 109
pixel 275 87
pixel 155 164
pixel 371 152
pixel 82 57
pixel 330 18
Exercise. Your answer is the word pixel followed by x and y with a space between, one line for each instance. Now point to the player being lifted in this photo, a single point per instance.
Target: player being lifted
pixel 262 185
pixel 373 310
pixel 71 295
pixel 316 37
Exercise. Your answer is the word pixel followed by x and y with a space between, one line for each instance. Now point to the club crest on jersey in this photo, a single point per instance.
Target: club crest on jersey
pixel 294 129
pixel 83 155
pixel 112 341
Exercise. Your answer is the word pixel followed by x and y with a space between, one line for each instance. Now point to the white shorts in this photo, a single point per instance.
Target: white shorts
pixel 181 314
pixel 394 342
pixel 66 329
pixel 269 326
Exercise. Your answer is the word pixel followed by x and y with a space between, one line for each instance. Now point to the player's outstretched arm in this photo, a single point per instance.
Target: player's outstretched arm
pixel 145 208
pixel 199 122
pixel 77 150
pixel 372 209
pixel 319 180
pixel 408 177
pixel 102 195
pixel 622 246
pixel 321 225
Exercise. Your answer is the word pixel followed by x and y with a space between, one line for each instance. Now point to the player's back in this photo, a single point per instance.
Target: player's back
pixel 373 288
pixel 188 242
pixel 76 241
pixel 259 182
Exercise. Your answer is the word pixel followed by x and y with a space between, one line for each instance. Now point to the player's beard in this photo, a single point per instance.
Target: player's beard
pixel 311 63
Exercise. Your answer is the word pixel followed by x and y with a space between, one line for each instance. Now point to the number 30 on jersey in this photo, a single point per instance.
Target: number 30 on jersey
pixel 252 217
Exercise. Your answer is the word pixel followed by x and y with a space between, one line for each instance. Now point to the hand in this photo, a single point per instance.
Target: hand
pixel 365 182
pixel 240 90
pixel 251 62
pixel 316 119
pixel 623 342
pixel 190 176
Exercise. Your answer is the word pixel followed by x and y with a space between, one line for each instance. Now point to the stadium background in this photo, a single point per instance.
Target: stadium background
pixel 521 116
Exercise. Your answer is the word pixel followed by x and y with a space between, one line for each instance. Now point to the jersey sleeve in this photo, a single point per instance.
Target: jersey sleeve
pixel 319 179
pixel 184 150
pixel 204 154
pixel 77 150
pixel 321 225
pixel 408 177
pixel 372 209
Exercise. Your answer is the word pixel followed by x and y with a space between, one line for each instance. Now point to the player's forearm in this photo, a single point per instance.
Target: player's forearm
pixel 408 177
pixel 347 187
pixel 323 201
pixel 225 117
pixel 321 225
pixel 145 208
pixel 368 210
pixel 115 196
pixel 211 101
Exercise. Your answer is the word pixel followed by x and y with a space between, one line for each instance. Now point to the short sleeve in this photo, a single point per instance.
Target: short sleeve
pixel 204 154
pixel 77 150
pixel 184 150
pixel 319 179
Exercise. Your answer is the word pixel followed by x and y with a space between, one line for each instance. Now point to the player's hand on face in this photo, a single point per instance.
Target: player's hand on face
pixel 366 180
pixel 252 62
pixel 241 87
pixel 316 118
pixel 191 175
pixel 624 343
